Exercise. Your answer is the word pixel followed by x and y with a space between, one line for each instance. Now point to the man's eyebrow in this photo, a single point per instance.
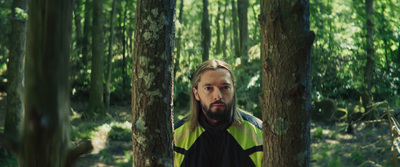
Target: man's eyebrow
pixel 207 84
pixel 225 84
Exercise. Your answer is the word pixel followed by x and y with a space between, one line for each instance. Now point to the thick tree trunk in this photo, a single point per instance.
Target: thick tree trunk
pixel 15 75
pixel 369 66
pixel 235 29
pixel 206 32
pixel 96 77
pixel 286 42
pixel 243 6
pixel 45 135
pixel 178 39
pixel 152 83
pixel 109 58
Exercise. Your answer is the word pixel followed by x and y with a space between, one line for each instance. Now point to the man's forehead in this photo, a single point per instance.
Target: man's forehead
pixel 220 76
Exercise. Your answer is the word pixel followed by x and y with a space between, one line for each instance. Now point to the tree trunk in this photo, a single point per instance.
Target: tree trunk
pixel 235 29
pixel 369 66
pixel 96 77
pixel 45 134
pixel 178 39
pixel 243 6
pixel 225 31
pixel 217 18
pixel 78 28
pixel 86 32
pixel 286 42
pixel 109 57
pixel 206 32
pixel 15 75
pixel 124 53
pixel 152 83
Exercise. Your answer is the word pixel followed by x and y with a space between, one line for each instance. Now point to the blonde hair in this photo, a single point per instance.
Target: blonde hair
pixel 196 110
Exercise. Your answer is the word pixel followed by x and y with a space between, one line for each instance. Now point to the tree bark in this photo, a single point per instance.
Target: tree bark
pixel 15 75
pixel 369 66
pixel 243 6
pixel 109 57
pixel 286 42
pixel 235 29
pixel 45 134
pixel 206 32
pixel 96 77
pixel 152 83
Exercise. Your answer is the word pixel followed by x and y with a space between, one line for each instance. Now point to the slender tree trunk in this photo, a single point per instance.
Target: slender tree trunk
pixel 78 27
pixel 369 66
pixel 386 56
pixel 286 78
pixel 255 31
pixel 15 75
pixel 96 77
pixel 217 19
pixel 124 75
pixel 206 32
pixel 235 29
pixel 109 57
pixel 152 84
pixel 178 39
pixel 45 134
pixel 225 31
pixel 243 6
pixel 86 32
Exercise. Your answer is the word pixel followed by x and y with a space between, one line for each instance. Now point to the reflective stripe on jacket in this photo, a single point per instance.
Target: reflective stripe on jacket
pixel 238 145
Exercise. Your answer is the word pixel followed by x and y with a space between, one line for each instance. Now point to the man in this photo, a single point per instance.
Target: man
pixel 216 133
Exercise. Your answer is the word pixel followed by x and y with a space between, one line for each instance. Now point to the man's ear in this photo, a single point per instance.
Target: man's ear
pixel 196 94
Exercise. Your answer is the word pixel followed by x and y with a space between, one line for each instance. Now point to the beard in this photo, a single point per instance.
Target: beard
pixel 219 114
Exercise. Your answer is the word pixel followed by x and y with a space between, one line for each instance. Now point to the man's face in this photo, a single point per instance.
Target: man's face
pixel 215 92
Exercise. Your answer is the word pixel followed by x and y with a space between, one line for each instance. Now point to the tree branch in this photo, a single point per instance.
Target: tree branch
pixel 73 155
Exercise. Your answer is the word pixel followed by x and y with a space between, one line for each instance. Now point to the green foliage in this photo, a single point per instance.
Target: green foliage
pixel 120 134
pixel 128 156
pixel 339 49
pixel 8 161
pixel 5 29
pixel 357 157
pixel 318 133
pixel 330 155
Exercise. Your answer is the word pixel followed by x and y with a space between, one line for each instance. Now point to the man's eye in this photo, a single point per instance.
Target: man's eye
pixel 226 87
pixel 207 88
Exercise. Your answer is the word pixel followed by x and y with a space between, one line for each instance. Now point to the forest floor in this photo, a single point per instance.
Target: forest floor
pixel 368 145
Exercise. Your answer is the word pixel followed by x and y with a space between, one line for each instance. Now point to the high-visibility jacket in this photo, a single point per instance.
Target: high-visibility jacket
pixel 235 146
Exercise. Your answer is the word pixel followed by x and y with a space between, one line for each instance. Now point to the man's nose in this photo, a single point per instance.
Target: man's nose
pixel 217 95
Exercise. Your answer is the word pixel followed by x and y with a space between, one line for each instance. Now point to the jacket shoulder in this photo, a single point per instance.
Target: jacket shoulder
pixel 251 119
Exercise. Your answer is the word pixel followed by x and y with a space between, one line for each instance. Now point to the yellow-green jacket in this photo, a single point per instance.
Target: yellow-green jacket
pixel 206 146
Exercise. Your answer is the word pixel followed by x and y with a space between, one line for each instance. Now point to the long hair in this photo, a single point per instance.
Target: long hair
pixel 234 117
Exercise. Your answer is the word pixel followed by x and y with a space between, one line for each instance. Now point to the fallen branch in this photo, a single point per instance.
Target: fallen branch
pixel 83 148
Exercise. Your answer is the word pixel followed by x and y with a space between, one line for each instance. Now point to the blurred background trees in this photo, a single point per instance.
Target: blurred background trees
pixel 340 50
pixel 338 61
